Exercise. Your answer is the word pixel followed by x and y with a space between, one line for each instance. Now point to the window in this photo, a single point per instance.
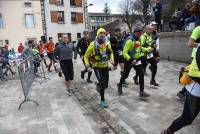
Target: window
pixel 102 18
pixel 61 17
pixel 68 34
pixel 72 3
pixel 73 17
pixel 77 3
pixel 78 35
pixel 59 3
pixel 29 21
pixel 57 16
pixel 61 34
pixel 93 28
pixel 53 2
pixel 32 39
pixel 1 22
pixel 76 17
pixel 27 4
pixel 97 18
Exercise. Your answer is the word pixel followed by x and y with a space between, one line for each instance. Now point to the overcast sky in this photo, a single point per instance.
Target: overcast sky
pixel 99 5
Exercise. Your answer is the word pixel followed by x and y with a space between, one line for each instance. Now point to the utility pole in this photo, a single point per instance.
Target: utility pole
pixel 44 26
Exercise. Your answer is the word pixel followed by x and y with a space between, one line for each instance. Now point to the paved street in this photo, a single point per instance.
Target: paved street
pixel 60 114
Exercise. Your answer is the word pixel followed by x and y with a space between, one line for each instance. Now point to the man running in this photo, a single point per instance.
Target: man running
pixel 50 52
pixel 82 46
pixel 64 53
pixel 132 52
pixel 146 42
pixel 42 51
pixel 99 53
pixel 192 103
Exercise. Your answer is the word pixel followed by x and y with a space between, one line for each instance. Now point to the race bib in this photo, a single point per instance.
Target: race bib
pixel 150 55
pixel 138 62
pixel 120 53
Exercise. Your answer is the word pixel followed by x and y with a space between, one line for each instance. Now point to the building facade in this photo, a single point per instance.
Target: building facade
pixel 20 21
pixel 97 20
pixel 64 17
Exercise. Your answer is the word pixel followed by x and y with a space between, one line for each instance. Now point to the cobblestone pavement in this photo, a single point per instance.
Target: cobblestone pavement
pixel 60 114
pixel 151 115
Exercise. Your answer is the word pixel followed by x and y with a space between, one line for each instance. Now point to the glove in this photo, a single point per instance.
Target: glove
pixel 89 69
pixel 134 62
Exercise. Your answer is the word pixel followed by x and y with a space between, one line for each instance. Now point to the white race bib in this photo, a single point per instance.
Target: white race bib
pixel 120 53
pixel 150 55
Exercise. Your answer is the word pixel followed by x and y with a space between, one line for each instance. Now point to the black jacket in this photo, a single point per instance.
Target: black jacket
pixel 82 46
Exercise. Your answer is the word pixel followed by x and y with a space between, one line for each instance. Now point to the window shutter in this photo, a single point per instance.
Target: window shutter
pixel 53 2
pixel 78 3
pixel 54 16
pixel 79 17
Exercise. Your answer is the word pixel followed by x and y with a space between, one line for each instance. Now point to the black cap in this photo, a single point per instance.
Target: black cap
pixel 137 29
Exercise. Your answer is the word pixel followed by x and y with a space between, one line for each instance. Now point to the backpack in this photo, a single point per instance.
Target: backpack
pixel 131 53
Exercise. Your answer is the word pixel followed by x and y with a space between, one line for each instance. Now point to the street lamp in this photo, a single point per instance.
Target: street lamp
pixel 86 14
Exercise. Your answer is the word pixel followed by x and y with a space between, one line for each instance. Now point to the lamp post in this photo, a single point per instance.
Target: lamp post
pixel 86 14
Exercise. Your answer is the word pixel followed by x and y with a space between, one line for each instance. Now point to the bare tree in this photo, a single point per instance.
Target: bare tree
pixel 127 9
pixel 144 9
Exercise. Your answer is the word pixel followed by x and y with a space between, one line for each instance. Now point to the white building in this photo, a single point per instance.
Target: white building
pixel 64 17
pixel 20 20
pixel 97 20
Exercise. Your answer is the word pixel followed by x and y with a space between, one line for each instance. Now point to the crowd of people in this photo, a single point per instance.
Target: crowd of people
pixel 102 55
pixel 137 50
pixel 186 18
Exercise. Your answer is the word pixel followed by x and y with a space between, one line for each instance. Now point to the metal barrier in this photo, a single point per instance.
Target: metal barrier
pixel 27 77
pixel 30 70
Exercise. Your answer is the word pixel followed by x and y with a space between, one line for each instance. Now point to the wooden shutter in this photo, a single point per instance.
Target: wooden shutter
pixel 53 2
pixel 78 3
pixel 54 16
pixel 79 17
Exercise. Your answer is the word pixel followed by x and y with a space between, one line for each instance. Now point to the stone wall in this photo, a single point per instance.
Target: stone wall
pixel 173 46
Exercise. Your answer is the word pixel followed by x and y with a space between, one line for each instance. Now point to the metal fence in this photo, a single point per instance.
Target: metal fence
pixel 30 70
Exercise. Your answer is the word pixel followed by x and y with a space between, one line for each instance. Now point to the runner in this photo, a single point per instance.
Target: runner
pixel 132 52
pixel 146 42
pixel 99 53
pixel 82 46
pixel 42 52
pixel 64 53
pixel 50 52
pixel 192 103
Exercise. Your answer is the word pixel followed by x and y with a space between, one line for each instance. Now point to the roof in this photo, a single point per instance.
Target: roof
pixel 104 14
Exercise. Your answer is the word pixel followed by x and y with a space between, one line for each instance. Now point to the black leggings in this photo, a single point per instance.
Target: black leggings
pixel 190 112
pixel 139 72
pixel 102 75
pixel 153 67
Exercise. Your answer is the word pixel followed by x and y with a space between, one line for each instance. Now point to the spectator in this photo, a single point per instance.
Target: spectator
pixel 175 20
pixel 195 10
pixel 20 48
pixel 185 14
pixel 6 64
pixel 157 14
